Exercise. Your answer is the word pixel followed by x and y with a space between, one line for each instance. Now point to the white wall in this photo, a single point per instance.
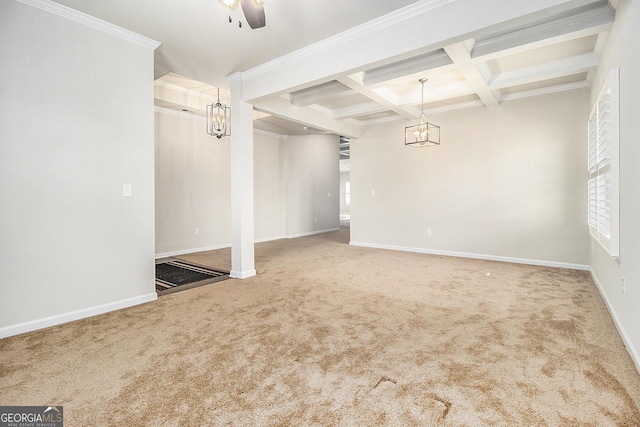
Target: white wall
pixel 268 186
pixel 622 50
pixel 76 123
pixel 507 183
pixel 312 184
pixel 191 184
pixel 292 179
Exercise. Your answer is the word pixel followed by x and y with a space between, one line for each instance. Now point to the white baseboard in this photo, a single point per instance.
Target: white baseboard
pixel 192 250
pixel 476 256
pixel 228 245
pixel 46 322
pixel 293 236
pixel 242 274
pixel 311 233
pixel 269 239
pixel 633 352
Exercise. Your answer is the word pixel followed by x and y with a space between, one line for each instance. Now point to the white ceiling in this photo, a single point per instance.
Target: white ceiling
pixel 554 50
pixel 199 42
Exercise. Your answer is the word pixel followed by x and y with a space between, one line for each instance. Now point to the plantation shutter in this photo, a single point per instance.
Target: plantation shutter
pixel 602 165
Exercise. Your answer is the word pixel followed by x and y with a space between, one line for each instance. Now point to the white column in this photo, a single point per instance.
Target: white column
pixel 242 239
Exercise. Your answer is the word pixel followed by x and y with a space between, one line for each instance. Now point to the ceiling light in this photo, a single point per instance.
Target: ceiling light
pixel 218 119
pixel 254 13
pixel 231 4
pixel 424 133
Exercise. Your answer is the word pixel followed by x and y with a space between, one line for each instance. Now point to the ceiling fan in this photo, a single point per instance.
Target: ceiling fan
pixel 253 11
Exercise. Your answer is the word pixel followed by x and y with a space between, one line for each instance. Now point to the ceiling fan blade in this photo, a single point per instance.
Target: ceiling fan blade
pixel 253 13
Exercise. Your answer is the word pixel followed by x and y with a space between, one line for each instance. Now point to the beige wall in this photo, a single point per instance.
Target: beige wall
pixel 293 177
pixel 312 184
pixel 622 50
pixel 191 185
pixel 76 123
pixel 269 186
pixel 507 183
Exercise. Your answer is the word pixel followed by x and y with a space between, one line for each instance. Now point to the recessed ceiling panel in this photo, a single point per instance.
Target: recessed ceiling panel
pixel 545 83
pixel 451 101
pixel 344 101
pixel 436 80
pixel 542 55
pixel 376 116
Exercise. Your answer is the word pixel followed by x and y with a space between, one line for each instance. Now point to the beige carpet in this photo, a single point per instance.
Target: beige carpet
pixel 329 334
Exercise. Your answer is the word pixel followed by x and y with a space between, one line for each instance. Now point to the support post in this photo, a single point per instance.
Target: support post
pixel 242 233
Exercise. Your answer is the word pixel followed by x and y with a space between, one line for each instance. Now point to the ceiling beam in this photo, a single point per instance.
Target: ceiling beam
pixel 436 94
pixel 428 111
pixel 319 93
pixel 280 107
pixel 593 21
pixel 358 110
pixel 476 74
pixel 393 37
pixel 417 64
pixel 386 103
pixel 600 40
pixel 545 90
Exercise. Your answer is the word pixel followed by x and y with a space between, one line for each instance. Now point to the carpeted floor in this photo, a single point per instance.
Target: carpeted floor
pixel 328 334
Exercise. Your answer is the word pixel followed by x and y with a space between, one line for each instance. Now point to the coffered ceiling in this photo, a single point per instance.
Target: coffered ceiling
pixel 553 53
pixel 551 49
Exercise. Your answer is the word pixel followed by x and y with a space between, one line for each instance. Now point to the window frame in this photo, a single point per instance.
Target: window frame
pixel 603 167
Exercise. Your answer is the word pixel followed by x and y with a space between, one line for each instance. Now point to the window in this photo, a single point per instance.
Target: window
pixel 347 193
pixel 603 166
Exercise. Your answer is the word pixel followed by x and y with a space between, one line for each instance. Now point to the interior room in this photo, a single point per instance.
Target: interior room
pixel 428 210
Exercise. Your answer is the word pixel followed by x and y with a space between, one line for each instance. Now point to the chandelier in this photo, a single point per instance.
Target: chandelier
pixel 218 119
pixel 423 134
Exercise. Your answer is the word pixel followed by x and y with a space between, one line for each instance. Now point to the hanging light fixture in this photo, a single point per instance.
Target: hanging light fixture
pixel 424 133
pixel 218 119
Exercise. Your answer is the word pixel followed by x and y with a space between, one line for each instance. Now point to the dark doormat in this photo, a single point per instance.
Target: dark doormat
pixel 173 275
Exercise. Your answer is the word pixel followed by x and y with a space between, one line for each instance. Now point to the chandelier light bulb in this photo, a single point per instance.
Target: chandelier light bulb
pixel 423 133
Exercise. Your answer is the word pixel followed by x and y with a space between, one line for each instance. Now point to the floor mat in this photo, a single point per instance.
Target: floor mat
pixel 174 275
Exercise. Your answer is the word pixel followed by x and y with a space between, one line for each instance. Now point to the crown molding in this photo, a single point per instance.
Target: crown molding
pixel 349 35
pixel 90 21
pixel 235 77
